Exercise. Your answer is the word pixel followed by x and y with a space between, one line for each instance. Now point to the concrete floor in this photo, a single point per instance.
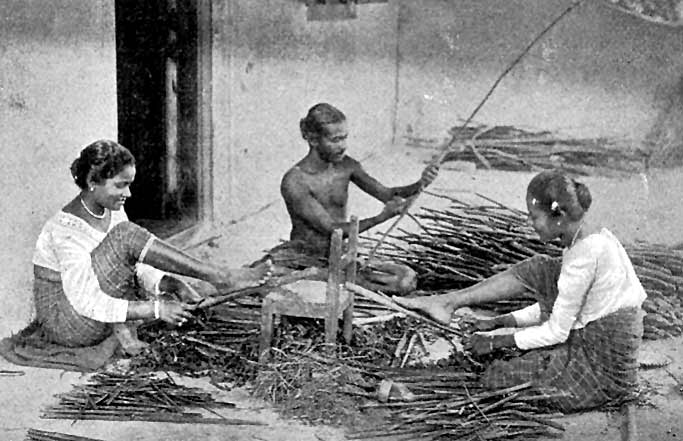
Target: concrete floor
pixel 639 207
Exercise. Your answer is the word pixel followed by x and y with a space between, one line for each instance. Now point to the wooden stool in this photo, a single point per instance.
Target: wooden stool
pixel 317 299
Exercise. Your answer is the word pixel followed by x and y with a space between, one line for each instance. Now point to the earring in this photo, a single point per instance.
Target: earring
pixel 92 188
pixel 558 223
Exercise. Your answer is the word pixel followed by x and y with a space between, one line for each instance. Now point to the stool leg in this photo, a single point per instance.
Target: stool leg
pixel 334 279
pixel 331 326
pixel 348 323
pixel 351 277
pixel 266 329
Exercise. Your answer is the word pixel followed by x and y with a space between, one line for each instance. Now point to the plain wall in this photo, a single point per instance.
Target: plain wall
pixel 57 94
pixel 270 66
pixel 420 67
pixel 598 72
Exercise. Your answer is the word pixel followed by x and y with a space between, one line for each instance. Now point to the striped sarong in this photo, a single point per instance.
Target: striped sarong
pixel 595 366
pixel 113 262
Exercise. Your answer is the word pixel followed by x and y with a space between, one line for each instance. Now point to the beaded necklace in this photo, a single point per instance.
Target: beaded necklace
pixel 96 216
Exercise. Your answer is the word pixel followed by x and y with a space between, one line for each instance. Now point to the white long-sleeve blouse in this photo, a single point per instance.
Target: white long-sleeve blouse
pixel 597 268
pixel 64 245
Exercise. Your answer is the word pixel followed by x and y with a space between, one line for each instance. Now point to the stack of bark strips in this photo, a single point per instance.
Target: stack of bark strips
pixel 138 397
pixel 515 149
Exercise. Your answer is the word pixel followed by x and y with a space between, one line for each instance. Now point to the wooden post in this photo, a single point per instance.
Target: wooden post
pixel 334 280
pixel 351 266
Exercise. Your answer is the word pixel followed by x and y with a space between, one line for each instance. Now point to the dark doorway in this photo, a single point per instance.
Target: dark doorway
pixel 158 56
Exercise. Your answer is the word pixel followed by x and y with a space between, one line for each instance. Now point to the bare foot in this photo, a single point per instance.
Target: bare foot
pixel 119 366
pixel 392 277
pixel 432 306
pixel 245 277
pixel 134 348
pixel 127 336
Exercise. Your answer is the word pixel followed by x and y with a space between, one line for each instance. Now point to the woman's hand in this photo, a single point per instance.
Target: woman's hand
pixel 481 344
pixel 485 325
pixel 489 324
pixel 180 289
pixel 173 312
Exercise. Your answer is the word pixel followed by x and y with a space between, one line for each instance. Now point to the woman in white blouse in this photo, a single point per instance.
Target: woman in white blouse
pixel 94 270
pixel 583 332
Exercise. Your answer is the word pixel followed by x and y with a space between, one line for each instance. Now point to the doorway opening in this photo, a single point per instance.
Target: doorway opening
pixel 163 54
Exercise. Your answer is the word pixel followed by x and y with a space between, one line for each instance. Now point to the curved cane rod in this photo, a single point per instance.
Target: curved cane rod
pixel 450 145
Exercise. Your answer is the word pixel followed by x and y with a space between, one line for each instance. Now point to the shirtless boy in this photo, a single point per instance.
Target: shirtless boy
pixel 316 189
pixel 316 192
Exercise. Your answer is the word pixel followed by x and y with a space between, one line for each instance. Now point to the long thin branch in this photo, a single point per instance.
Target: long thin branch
pixel 454 138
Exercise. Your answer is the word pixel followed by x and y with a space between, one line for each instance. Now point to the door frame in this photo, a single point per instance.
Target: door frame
pixel 204 111
pixel 203 129
pixel 195 118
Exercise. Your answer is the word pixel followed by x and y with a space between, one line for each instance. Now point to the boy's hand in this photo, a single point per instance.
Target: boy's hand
pixel 395 206
pixel 429 174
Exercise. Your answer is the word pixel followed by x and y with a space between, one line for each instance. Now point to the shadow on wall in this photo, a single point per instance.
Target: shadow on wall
pixel 665 138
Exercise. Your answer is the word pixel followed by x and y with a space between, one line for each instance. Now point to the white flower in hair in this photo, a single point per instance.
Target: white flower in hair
pixel 554 206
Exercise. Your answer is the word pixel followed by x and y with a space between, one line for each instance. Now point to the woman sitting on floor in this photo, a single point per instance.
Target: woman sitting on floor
pixel 583 333
pixel 95 271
